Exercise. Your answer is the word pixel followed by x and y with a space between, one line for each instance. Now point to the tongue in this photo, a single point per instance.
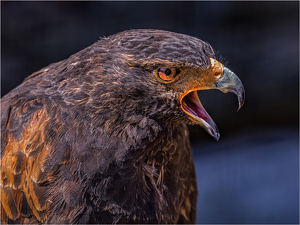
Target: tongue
pixel 195 107
pixel 192 105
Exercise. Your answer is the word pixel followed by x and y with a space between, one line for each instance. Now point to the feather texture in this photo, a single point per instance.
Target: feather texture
pixel 96 138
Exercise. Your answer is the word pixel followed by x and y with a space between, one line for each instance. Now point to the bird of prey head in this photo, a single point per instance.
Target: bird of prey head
pixel 100 137
pixel 162 72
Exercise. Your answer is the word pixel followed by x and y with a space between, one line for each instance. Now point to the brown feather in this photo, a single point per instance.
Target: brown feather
pixel 98 138
pixel 20 169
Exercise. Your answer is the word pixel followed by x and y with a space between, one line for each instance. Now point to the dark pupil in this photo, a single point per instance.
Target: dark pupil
pixel 168 72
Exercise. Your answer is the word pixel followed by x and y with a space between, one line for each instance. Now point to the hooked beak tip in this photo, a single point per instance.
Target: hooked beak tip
pixel 231 83
pixel 241 99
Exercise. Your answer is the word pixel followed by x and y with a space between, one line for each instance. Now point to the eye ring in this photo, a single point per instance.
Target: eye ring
pixel 167 73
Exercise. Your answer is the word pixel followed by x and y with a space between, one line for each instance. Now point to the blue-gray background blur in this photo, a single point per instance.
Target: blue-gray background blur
pixel 252 174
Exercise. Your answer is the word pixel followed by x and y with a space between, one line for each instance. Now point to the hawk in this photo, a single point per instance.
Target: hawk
pixel 101 137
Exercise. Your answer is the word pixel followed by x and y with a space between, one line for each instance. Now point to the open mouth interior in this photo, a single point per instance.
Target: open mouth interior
pixel 192 106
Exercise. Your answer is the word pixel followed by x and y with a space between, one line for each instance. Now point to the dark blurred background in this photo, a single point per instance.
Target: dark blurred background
pixel 252 174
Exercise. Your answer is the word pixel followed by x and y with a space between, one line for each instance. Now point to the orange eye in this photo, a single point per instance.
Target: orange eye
pixel 167 74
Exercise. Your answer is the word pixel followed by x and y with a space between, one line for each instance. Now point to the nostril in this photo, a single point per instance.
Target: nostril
pixel 216 68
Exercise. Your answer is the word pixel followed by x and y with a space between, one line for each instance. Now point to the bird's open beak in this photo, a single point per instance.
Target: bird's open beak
pixel 221 78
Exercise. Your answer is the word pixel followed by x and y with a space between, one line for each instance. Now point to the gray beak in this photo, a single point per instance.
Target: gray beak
pixel 230 82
